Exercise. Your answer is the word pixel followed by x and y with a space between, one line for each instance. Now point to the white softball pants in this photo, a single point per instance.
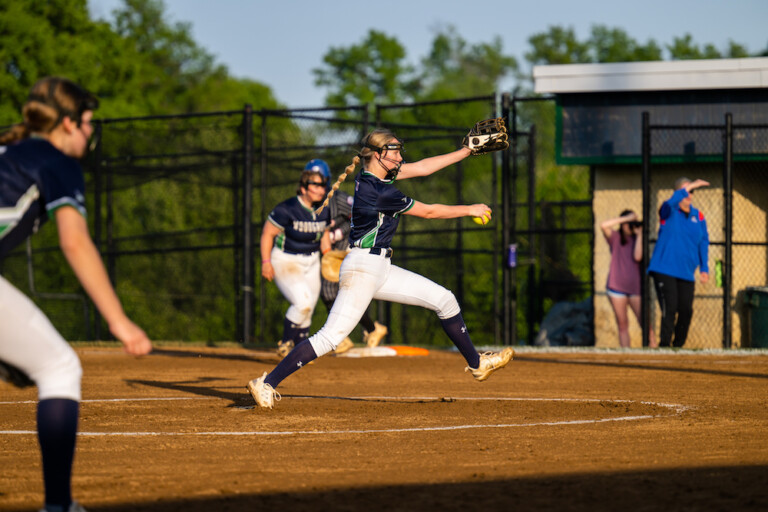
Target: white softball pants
pixel 32 344
pixel 297 276
pixel 364 277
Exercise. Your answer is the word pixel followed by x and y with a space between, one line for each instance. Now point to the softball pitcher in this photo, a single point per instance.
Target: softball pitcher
pixel 290 243
pixel 367 272
pixel 41 178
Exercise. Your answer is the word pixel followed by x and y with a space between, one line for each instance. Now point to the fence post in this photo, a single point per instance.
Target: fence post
pixel 646 186
pixel 248 284
pixel 509 325
pixel 535 297
pixel 728 228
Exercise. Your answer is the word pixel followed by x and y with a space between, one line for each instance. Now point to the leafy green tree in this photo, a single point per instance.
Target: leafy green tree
pixel 557 46
pixel 372 71
pixel 615 45
pixel 454 68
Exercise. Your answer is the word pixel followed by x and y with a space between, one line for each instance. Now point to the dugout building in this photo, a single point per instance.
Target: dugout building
pixel 639 126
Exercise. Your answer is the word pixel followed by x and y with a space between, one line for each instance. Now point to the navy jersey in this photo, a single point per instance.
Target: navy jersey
pixel 301 229
pixel 376 211
pixel 35 180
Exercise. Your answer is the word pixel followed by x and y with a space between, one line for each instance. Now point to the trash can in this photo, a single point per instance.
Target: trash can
pixel 756 306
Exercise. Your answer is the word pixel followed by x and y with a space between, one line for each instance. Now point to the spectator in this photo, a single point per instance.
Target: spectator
pixel 624 275
pixel 682 246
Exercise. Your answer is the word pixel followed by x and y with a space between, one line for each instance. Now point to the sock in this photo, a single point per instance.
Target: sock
pixel 456 330
pixel 302 333
pixel 56 431
pixel 290 331
pixel 301 354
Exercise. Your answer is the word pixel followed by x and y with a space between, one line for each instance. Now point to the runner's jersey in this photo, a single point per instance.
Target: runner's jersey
pixel 301 229
pixel 376 211
pixel 35 180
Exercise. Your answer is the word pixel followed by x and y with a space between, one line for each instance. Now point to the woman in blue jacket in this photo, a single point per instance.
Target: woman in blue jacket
pixel 682 246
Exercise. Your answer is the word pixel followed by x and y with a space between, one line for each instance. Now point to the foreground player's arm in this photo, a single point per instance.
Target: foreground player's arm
pixel 432 164
pixel 84 258
pixel 266 243
pixel 444 211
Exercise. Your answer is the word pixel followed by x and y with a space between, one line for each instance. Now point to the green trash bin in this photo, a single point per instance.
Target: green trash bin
pixel 756 303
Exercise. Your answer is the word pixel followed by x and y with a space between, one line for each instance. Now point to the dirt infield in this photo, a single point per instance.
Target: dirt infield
pixel 587 430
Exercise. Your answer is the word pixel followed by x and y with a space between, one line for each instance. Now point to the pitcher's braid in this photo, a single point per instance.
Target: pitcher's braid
pixel 347 171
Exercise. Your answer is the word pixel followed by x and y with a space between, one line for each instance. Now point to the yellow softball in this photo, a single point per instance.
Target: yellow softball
pixel 485 219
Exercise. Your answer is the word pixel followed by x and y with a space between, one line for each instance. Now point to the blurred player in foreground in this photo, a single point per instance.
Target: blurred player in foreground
pixel 40 177
pixel 291 242
pixel 368 273
pixel 340 206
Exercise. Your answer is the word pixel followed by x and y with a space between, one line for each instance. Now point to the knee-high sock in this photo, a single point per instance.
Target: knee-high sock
pixel 56 431
pixel 455 328
pixel 301 355
pixel 291 331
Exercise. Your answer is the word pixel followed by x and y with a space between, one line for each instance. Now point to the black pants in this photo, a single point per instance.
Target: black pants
pixel 675 300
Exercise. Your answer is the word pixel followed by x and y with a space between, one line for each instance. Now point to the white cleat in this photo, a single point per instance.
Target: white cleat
pixel 490 362
pixel 264 394
pixel 344 346
pixel 284 348
pixel 373 339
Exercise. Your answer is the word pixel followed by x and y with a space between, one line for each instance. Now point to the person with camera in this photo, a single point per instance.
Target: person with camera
pixel 624 275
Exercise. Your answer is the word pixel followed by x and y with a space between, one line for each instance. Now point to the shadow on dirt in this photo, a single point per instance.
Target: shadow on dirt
pixel 699 489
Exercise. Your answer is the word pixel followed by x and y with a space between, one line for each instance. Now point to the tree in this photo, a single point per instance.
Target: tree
pixel 369 72
pixel 557 46
pixel 454 68
pixel 139 65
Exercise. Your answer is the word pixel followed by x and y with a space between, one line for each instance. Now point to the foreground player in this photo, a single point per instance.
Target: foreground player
pixel 367 272
pixel 40 178
pixel 290 241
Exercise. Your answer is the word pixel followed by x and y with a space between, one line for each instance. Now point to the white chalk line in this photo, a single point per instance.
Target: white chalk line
pixel 676 409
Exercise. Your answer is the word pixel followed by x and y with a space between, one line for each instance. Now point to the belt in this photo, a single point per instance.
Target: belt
pixel 378 250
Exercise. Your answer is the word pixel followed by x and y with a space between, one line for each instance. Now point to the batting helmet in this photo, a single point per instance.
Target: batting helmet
pixel 319 166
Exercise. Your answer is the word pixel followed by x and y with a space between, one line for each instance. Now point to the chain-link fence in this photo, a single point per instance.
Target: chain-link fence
pixel 732 159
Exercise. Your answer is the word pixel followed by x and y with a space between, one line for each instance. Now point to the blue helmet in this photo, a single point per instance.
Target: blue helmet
pixel 319 166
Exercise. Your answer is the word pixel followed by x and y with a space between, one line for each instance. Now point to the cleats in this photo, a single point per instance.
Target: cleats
pixel 344 346
pixel 264 394
pixel 490 362
pixel 284 348
pixel 373 339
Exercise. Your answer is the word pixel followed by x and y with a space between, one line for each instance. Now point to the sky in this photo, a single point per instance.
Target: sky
pixel 278 43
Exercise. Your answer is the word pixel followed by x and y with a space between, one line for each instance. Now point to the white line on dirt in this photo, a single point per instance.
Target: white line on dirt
pixel 674 409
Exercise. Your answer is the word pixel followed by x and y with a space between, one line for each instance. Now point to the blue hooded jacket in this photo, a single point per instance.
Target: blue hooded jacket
pixel 683 242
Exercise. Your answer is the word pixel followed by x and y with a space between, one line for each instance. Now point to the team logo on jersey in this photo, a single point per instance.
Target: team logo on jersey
pixel 305 226
pixel 80 197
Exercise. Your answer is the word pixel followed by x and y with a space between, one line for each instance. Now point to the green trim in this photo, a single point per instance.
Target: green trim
pixel 280 241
